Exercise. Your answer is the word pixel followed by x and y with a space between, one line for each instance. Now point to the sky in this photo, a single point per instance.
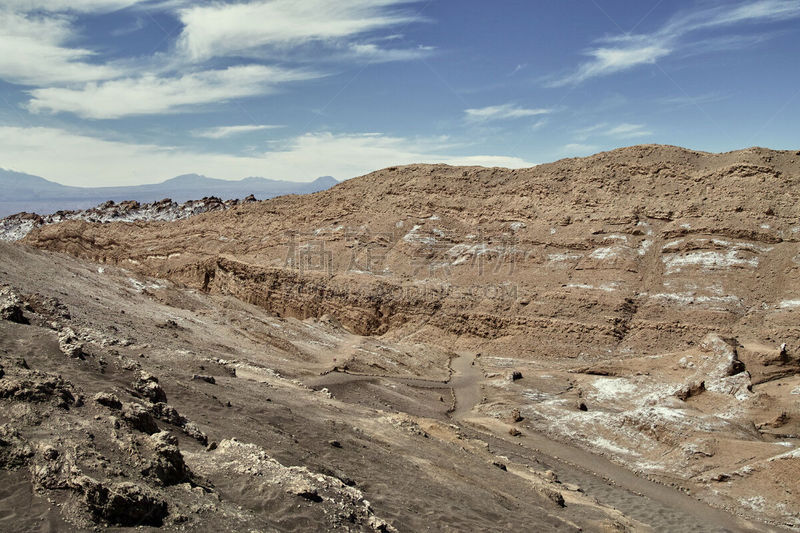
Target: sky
pixel 123 92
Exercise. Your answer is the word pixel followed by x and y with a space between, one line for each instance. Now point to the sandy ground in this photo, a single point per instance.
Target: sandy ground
pixel 414 446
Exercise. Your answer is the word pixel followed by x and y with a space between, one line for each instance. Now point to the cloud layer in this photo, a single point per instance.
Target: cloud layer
pixel 75 159
pixel 151 94
pixel 36 50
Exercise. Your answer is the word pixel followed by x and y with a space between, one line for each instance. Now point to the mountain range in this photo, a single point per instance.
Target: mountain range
pixel 25 192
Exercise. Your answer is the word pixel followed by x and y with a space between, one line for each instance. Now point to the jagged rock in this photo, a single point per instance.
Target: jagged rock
pixel 139 418
pixel 108 399
pixel 514 432
pixel 122 504
pixel 51 469
pixel 689 390
pixel 304 489
pixel 516 416
pixel 380 525
pixel 778 422
pixel 11 306
pixel 207 379
pixel 167 464
pixel 48 306
pixel 39 389
pixel 553 495
pixel 719 358
pixel 168 414
pixel 15 452
pixel 148 386
pixel 515 375
pixel 70 344
pixel 330 493
pixel 192 430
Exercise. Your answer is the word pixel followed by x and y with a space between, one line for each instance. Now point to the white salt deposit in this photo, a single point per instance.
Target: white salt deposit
pixel 612 388
pixel 708 261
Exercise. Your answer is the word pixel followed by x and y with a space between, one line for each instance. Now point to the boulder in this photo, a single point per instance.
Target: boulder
pixel 11 306
pixel 148 386
pixel 39 388
pixel 139 418
pixel 70 344
pixel 167 464
pixel 108 399
pixel 122 504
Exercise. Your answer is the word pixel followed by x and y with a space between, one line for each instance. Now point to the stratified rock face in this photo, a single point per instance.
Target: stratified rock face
pixel 640 250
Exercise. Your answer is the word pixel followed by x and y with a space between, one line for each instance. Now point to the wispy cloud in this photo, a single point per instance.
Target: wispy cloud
pixel 372 53
pixel 628 131
pixel 256 27
pixel 34 51
pixel 620 131
pixel 626 51
pixel 503 112
pixel 610 60
pixel 688 100
pixel 74 159
pixel 229 131
pixel 152 94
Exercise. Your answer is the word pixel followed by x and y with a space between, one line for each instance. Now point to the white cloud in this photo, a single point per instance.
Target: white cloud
pixel 37 48
pixel 229 131
pixel 610 60
pixel 246 27
pixel 34 51
pixel 372 53
pixel 502 112
pixel 75 159
pixel 621 131
pixel 151 94
pixel 626 51
pixel 628 131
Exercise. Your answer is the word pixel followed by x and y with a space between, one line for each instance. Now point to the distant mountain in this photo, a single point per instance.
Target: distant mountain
pixel 24 192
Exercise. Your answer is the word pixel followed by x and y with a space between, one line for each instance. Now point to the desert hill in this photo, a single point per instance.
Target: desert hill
pixel 643 301
pixel 593 252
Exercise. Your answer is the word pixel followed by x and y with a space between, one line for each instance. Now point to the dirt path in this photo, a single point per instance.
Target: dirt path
pixel 466 384
pixel 661 507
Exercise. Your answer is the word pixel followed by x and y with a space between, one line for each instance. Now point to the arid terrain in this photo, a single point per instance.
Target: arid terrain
pixel 603 344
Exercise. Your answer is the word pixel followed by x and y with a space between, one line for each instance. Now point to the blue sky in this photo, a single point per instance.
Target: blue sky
pixel 118 92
